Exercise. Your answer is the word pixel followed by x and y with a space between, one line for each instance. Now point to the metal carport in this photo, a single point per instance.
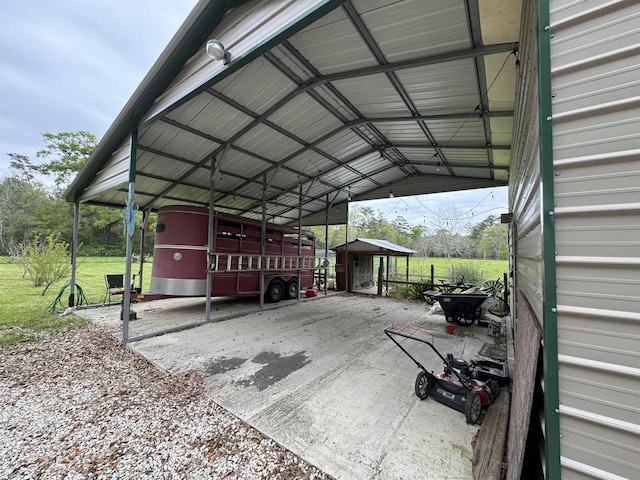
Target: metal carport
pixel 318 103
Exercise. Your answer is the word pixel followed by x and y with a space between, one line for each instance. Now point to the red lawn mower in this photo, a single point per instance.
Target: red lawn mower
pixel 464 386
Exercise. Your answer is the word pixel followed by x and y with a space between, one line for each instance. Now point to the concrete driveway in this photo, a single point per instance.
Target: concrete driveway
pixel 321 378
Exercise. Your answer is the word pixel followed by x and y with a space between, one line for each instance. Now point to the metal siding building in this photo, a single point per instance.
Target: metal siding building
pixel 575 199
pixel 595 81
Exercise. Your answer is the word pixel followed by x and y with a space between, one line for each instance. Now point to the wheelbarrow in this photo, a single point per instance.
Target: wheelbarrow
pixel 463 308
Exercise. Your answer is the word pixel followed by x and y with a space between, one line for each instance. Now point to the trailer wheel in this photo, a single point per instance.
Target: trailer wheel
pixel 472 407
pixel 275 291
pixel 424 385
pixel 292 288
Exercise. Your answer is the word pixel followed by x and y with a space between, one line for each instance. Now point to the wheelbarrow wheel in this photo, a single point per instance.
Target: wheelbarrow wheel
pixel 424 385
pixel 464 314
pixel 472 407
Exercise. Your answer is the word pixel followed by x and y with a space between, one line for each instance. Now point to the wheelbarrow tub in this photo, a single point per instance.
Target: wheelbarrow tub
pixel 463 308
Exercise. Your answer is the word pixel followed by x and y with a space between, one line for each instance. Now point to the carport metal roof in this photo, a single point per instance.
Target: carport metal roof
pixel 328 100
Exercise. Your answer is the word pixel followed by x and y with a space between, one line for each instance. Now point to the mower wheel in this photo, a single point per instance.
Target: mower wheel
pixel 472 407
pixel 424 385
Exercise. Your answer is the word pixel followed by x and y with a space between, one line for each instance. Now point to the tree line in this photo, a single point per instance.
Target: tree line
pixel 32 206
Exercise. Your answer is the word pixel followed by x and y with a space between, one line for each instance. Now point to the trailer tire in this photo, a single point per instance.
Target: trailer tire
pixel 292 288
pixel 472 407
pixel 424 385
pixel 275 291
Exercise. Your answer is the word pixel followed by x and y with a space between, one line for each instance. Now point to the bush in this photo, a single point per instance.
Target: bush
pixel 44 260
pixel 471 272
pixel 412 291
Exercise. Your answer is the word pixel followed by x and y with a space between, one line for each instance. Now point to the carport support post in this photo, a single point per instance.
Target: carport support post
pixel 299 271
pixel 326 246
pixel 263 237
pixel 130 221
pixel 347 283
pixel 143 231
pixel 210 237
pixel 74 254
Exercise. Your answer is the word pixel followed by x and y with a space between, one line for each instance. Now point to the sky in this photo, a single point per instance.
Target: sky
pixel 70 65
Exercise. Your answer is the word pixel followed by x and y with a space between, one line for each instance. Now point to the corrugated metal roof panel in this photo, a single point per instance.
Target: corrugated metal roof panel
pixel 305 118
pixel 344 144
pixel 386 100
pixel 333 44
pixel 374 245
pixel 114 173
pixel 415 28
pixel 443 88
pixel 242 30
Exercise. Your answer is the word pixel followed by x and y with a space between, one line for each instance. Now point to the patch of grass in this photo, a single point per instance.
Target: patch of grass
pixel 474 270
pixel 24 314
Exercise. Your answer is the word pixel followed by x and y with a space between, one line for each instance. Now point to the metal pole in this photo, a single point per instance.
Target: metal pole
pixel 387 281
pixel 130 219
pixel 299 271
pixel 347 284
pixel 143 231
pixel 263 237
pixel 210 237
pixel 74 253
pixel 326 245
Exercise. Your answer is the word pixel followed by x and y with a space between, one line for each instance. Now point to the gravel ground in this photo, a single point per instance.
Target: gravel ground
pixel 79 405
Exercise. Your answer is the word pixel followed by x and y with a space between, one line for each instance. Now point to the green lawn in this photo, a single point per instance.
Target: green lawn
pixel 24 313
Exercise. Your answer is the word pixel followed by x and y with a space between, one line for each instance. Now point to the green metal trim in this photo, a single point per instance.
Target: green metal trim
pixel 549 301
pixel 240 62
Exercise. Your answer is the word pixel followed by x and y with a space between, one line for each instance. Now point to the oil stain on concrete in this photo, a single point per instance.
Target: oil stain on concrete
pixel 223 365
pixel 276 367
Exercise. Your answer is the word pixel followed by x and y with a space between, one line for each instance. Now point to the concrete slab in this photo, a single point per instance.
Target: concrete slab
pixel 322 379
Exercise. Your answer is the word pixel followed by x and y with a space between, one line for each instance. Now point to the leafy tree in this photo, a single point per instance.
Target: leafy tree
pixel 66 153
pixel 20 201
pixel 477 230
pixel 494 242
pixel 45 260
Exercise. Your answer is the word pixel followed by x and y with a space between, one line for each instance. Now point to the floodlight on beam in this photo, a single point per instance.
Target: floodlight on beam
pixel 215 49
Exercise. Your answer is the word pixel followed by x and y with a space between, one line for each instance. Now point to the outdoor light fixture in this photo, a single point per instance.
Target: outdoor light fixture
pixel 390 192
pixel 215 49
pixel 438 166
pixel 349 195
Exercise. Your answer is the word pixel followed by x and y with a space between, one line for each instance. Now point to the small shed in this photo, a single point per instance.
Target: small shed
pixel 355 260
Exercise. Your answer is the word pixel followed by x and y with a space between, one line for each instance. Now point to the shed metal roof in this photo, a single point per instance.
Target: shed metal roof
pixel 328 100
pixel 375 246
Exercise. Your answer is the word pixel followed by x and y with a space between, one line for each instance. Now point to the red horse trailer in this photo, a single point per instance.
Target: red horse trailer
pixel 180 256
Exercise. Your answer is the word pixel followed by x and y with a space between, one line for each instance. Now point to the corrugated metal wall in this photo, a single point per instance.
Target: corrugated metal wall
pixel 526 251
pixel 595 74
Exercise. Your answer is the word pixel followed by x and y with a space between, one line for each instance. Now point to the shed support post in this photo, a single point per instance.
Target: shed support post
pixel 387 281
pixel 74 254
pixel 130 225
